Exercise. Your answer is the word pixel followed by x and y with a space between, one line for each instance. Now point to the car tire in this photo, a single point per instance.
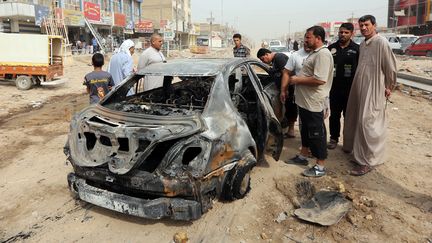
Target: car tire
pixel 429 53
pixel 237 181
pixel 23 83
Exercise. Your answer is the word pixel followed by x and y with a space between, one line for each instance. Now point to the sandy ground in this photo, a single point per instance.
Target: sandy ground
pixel 393 203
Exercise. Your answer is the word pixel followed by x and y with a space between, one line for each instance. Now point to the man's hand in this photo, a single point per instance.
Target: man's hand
pixel 326 107
pixel 387 92
pixel 282 97
pixel 326 113
pixel 292 79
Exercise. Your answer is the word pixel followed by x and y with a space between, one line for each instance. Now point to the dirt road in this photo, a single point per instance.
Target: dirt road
pixel 393 203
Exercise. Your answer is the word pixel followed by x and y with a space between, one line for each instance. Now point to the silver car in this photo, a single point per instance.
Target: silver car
pixel 169 152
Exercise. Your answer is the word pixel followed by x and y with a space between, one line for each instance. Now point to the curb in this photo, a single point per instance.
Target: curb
pixel 415 78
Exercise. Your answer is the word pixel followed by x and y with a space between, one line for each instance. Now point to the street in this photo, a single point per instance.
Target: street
pixel 393 203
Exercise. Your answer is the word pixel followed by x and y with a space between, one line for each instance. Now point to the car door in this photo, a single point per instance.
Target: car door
pixel 427 47
pixel 269 94
pixel 415 48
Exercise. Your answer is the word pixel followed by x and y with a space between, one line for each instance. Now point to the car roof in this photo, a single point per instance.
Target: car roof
pixel 406 35
pixel 192 66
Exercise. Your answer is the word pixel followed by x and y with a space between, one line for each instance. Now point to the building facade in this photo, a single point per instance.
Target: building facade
pixel 410 16
pixel 110 18
pixel 172 18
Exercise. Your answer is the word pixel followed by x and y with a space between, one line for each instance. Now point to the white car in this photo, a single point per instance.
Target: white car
pixel 275 43
pixel 393 42
pixel 281 49
pixel 406 40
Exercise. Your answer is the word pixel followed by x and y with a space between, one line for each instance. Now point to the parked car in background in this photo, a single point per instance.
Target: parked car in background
pixel 281 49
pixel 393 42
pixel 275 43
pixel 421 47
pixel 358 39
pixel 406 40
pixel 170 151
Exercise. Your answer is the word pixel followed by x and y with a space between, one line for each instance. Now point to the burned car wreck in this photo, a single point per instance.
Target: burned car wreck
pixel 168 152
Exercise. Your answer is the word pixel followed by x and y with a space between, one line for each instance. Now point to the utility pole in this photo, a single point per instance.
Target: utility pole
pixel 160 11
pixel 176 31
pixel 222 24
pixel 289 29
pixel 211 19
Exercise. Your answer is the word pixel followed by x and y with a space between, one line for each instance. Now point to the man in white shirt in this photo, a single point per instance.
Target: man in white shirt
pixel 292 67
pixel 150 56
pixel 313 85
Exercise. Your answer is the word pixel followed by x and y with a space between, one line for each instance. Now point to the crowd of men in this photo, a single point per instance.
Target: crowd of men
pixel 355 80
pixel 350 80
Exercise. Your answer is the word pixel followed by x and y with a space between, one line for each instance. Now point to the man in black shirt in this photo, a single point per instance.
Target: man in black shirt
pixel 278 62
pixel 345 55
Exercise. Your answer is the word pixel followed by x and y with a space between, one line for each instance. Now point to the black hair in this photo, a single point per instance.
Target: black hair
pixel 237 36
pixel 367 17
pixel 261 52
pixel 98 60
pixel 348 26
pixel 317 31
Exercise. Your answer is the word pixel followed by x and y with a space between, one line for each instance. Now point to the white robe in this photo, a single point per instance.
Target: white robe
pixel 365 126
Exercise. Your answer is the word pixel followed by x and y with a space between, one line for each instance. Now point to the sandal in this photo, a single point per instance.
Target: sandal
pixel 360 170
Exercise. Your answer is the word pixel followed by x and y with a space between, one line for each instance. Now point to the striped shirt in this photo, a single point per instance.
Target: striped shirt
pixel 241 51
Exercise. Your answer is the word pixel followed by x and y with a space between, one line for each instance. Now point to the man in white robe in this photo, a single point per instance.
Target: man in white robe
pixel 365 128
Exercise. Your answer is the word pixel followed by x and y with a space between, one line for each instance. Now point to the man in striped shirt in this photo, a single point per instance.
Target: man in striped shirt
pixel 239 49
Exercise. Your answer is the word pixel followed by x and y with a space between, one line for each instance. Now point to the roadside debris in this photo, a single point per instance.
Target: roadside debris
pixel 180 237
pixel 36 104
pixel 282 217
pixel 325 208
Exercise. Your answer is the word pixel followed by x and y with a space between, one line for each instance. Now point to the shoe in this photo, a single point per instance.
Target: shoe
pixel 360 170
pixel 314 172
pixel 298 161
pixel 332 144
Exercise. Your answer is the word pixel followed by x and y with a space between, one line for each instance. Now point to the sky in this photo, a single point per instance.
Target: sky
pixel 266 19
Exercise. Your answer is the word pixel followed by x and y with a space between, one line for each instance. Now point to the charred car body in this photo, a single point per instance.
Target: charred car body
pixel 168 152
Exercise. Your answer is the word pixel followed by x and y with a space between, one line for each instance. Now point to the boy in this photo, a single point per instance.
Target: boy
pixel 98 82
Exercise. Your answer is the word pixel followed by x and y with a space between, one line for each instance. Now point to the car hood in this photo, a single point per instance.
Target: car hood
pixel 123 140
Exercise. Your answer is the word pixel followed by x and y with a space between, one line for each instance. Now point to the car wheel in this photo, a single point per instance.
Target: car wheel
pixel 237 181
pixel 23 82
pixel 429 53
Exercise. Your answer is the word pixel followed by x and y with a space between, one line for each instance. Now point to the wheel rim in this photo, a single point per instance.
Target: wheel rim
pixel 22 82
pixel 245 184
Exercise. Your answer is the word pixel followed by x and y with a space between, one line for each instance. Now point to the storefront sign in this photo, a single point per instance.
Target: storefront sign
pixel 169 35
pixel 144 26
pixel 58 13
pixel 119 19
pixel 41 12
pixel 73 17
pixel 106 18
pixel 128 31
pixel 163 23
pixel 92 11
pixel 129 25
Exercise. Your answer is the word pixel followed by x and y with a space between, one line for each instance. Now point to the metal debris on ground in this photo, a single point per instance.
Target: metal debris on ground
pixel 281 217
pixel 325 208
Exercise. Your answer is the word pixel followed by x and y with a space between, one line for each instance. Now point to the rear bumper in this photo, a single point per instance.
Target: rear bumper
pixel 163 207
